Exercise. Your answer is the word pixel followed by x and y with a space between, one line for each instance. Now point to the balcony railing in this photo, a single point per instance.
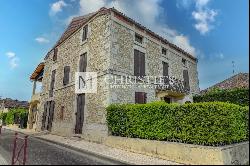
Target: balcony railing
pixel 172 84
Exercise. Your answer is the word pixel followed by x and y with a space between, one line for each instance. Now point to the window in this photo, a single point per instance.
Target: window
pixel 165 72
pixel 83 63
pixel 66 75
pixel 61 113
pixel 164 51
pixel 55 54
pixel 184 61
pixel 139 63
pixel 84 33
pixel 186 80
pixel 52 83
pixel 138 38
pixel 140 97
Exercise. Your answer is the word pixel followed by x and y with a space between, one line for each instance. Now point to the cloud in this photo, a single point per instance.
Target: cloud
pixel 10 54
pixel 13 60
pixel 42 40
pixel 57 7
pixel 219 56
pixel 204 17
pixel 184 3
pixel 149 13
pixel 184 43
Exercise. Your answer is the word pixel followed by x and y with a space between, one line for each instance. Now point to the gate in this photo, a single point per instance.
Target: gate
pixel 19 155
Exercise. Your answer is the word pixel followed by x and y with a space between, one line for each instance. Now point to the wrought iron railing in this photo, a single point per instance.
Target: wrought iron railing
pixel 172 84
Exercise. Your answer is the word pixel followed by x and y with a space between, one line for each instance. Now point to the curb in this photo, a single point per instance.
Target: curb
pixel 103 157
pixel 107 158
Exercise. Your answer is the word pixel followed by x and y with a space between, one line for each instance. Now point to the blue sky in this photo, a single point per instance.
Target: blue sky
pixel 216 31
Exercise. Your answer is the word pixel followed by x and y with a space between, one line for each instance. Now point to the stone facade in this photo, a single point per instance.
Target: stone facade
pixel 110 52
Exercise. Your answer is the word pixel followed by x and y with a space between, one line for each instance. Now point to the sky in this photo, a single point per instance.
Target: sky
pixel 215 31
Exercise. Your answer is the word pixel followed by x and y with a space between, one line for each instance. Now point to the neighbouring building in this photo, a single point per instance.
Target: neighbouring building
pixel 111 44
pixel 240 80
pixel 8 104
pixel 3 109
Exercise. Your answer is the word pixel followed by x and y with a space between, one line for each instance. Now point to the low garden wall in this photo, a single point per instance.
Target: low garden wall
pixel 184 153
pixel 195 133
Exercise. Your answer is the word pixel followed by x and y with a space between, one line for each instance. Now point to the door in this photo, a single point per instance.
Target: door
pixel 167 99
pixel 80 99
pixel 80 113
pixel 48 115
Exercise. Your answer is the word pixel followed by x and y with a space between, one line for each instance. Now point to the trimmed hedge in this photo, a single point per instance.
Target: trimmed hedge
pixel 15 116
pixel 235 96
pixel 213 123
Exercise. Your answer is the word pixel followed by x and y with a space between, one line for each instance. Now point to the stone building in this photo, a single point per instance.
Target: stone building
pixel 111 44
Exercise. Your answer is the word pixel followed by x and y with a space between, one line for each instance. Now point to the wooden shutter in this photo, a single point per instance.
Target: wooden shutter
pixel 165 72
pixel 52 83
pixel 66 75
pixel 84 33
pixel 139 63
pixel 136 63
pixel 140 97
pixel 55 54
pixel 83 63
pixel 142 64
pixel 44 116
pixel 186 80
pixel 51 115
pixel 144 98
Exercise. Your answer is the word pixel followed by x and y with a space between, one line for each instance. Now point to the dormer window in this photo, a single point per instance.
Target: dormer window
pixel 84 33
pixel 164 51
pixel 55 54
pixel 138 38
pixel 184 61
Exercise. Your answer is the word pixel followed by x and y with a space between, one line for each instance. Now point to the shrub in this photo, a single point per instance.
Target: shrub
pixel 15 116
pixel 213 123
pixel 235 96
pixel 3 117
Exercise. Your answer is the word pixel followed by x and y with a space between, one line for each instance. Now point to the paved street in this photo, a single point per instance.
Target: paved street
pixel 42 152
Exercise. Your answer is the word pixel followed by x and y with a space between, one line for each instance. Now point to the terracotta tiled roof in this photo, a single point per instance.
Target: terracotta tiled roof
pixel 37 71
pixel 78 22
pixel 240 80
pixel 10 103
pixel 75 24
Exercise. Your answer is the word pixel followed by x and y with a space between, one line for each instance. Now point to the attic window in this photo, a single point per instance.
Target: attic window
pixel 164 51
pixel 138 38
pixel 55 54
pixel 184 61
pixel 84 33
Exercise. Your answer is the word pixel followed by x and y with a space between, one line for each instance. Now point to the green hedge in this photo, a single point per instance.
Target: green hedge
pixel 15 116
pixel 235 96
pixel 214 123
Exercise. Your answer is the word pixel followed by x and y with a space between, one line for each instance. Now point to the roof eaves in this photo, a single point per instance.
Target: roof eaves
pixel 156 35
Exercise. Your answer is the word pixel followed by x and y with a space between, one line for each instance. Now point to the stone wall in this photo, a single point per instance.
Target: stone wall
pixel 110 47
pixel 122 54
pixel 235 154
pixel 97 47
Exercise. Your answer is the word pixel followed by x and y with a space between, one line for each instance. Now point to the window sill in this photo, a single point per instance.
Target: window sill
pixel 84 42
pixel 139 44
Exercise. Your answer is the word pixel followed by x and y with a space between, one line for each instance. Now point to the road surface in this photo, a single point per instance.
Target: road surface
pixel 40 152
